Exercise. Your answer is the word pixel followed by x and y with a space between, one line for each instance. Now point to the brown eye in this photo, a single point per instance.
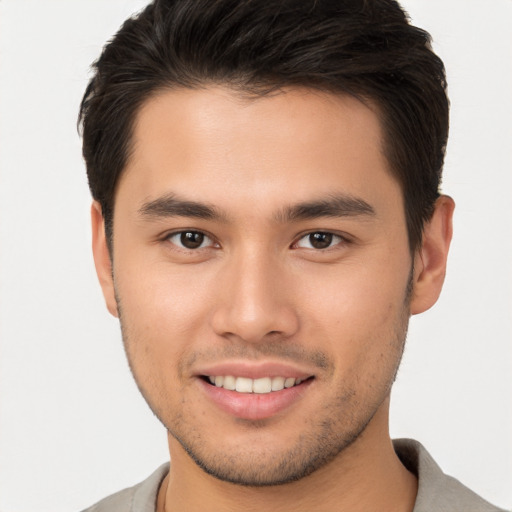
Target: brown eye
pixel 319 240
pixel 190 239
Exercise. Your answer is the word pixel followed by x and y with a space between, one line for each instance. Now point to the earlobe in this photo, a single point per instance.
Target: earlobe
pixel 102 258
pixel 430 258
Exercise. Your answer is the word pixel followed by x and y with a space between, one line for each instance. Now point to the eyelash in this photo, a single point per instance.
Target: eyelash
pixel 192 232
pixel 331 237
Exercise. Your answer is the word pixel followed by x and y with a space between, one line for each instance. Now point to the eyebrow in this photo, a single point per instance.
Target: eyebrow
pixel 171 206
pixel 340 205
pixel 334 206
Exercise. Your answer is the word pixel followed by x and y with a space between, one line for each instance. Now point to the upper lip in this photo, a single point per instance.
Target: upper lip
pixel 253 370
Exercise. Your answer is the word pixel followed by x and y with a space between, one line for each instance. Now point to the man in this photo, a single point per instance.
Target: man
pixel 266 218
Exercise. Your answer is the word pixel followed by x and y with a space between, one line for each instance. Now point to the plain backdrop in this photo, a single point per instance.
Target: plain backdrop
pixel 72 425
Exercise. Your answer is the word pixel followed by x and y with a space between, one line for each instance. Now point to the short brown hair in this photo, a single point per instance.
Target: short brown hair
pixel 365 48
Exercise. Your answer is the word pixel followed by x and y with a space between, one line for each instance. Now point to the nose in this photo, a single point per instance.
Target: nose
pixel 255 301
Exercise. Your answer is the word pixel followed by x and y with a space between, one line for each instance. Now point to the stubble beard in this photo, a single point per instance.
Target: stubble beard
pixel 261 468
pixel 323 439
pixel 326 437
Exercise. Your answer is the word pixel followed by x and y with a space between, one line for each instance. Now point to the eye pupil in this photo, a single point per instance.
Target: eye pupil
pixel 320 240
pixel 191 239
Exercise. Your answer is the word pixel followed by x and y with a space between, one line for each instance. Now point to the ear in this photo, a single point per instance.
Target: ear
pixel 102 259
pixel 430 258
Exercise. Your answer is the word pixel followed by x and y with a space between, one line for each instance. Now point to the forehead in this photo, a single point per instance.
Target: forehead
pixel 215 144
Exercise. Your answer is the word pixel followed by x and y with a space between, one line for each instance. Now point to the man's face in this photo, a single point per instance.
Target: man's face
pixel 257 242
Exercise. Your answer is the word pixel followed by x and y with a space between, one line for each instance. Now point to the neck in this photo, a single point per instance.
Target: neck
pixel 367 475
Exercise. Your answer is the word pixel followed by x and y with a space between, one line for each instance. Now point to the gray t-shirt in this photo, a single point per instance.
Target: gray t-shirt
pixel 437 492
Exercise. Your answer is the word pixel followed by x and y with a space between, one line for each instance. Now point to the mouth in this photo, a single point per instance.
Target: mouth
pixel 261 386
pixel 258 398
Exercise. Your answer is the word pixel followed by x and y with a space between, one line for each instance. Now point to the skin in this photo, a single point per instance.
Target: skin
pixel 256 292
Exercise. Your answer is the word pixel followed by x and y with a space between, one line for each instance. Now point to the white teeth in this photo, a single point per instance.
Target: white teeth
pixel 277 383
pixel 288 383
pixel 261 386
pixel 229 382
pixel 243 385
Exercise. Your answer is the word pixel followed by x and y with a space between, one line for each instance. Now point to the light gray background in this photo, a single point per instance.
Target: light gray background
pixel 72 425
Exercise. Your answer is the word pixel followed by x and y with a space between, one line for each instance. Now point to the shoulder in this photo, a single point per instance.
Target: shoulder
pixel 139 498
pixel 436 490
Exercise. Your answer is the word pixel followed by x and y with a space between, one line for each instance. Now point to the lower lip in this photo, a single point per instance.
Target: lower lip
pixel 254 406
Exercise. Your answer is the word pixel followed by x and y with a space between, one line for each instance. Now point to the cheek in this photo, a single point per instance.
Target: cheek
pixel 162 313
pixel 161 297
pixel 361 295
pixel 358 310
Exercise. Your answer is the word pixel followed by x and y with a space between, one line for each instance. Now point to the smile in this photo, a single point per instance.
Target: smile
pixel 254 392
pixel 261 386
